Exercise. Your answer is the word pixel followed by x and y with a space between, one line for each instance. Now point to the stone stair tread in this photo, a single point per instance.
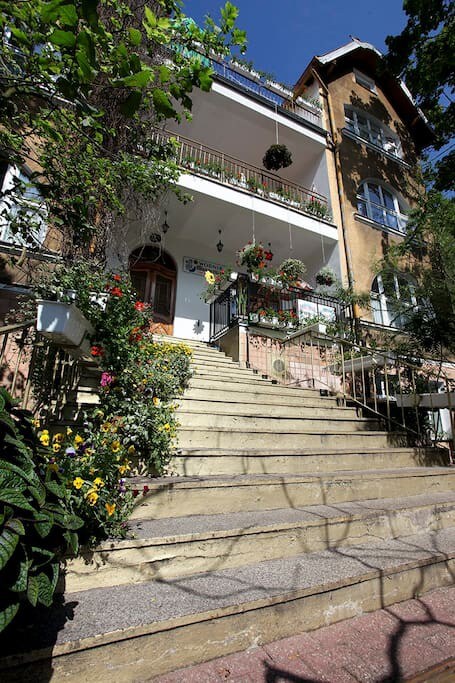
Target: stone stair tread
pixel 259 452
pixel 282 429
pixel 106 615
pixel 354 418
pixel 173 529
pixel 251 479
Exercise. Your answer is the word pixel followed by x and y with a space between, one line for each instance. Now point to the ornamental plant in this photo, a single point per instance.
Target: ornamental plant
pixel 254 256
pixel 276 157
pixel 291 271
pixel 326 277
pixel 215 282
pixel 37 520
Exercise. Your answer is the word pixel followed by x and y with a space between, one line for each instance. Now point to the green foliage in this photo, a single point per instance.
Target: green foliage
pixel 423 55
pixel 91 79
pixel 276 157
pixel 291 270
pixel 37 520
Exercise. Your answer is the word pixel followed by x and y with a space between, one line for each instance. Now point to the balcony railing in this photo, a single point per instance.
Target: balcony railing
pixel 275 93
pixel 269 306
pixel 228 170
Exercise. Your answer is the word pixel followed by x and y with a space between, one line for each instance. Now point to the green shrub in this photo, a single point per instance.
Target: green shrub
pixel 37 523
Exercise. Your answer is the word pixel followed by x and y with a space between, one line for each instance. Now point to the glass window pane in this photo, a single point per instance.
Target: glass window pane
pixel 374 193
pixel 362 208
pixel 139 282
pixel 163 294
pixel 388 200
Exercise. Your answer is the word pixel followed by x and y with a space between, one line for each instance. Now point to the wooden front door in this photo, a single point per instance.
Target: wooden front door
pixel 155 284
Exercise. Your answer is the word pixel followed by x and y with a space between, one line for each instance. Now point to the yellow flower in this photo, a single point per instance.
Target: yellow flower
pixel 45 431
pixel 110 507
pixel 92 471
pixel 56 447
pixel 58 438
pixel 156 401
pixel 115 446
pixel 92 497
pixel 36 423
pixel 209 277
pixel 98 482
pixel 78 440
pixel 89 452
pixel 69 431
pixel 105 427
pixel 78 483
pixel 131 450
pixel 44 438
pixel 167 426
pixel 123 469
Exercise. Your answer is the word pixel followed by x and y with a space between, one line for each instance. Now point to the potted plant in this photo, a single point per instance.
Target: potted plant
pixel 326 277
pixel 276 157
pixel 314 325
pixel 291 271
pixel 254 257
pixel 62 322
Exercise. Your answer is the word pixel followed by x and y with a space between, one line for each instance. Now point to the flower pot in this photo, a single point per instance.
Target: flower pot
pixel 62 323
pixel 315 328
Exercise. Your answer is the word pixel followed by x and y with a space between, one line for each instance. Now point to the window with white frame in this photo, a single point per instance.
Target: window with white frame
pixel 369 129
pixel 381 206
pixel 23 216
pixel 364 80
pixel 391 295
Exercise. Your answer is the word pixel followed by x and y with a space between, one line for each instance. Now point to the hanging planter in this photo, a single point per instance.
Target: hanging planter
pixel 62 323
pixel 326 277
pixel 276 157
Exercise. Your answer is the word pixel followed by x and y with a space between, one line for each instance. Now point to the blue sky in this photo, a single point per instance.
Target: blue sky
pixel 284 35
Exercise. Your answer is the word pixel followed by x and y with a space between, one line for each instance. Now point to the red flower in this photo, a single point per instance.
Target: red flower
pixel 139 305
pixel 116 291
pixel 97 350
pixel 268 255
pixel 145 490
pixel 135 493
pixel 117 278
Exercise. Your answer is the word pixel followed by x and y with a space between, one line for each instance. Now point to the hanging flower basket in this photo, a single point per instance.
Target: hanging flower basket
pixel 276 157
pixel 62 323
pixel 326 277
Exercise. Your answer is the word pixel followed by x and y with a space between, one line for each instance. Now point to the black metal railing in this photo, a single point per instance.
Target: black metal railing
pixel 267 304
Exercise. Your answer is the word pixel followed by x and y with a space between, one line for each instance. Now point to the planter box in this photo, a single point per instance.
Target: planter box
pixel 314 329
pixel 62 323
pixel 433 400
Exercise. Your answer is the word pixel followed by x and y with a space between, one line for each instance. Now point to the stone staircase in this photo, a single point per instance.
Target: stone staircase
pixel 285 512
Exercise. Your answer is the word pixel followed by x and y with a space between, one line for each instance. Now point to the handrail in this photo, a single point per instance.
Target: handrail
pixel 397 390
pixel 217 165
pixel 16 326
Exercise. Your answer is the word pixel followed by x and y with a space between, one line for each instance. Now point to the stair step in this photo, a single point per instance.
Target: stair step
pixel 247 408
pixel 168 548
pixel 206 391
pixel 274 424
pixel 295 437
pixel 141 630
pixel 205 462
pixel 180 496
pixel 263 386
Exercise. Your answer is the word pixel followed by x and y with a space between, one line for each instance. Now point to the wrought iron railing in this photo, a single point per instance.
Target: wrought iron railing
pixel 276 94
pixel 211 163
pixel 36 372
pixel 415 396
pixel 265 304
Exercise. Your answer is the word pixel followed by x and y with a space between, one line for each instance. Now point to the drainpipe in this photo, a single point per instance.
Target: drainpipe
pixel 339 183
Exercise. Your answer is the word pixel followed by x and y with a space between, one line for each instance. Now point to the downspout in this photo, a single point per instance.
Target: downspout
pixel 339 184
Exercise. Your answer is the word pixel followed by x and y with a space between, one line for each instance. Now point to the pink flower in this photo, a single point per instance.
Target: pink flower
pixel 106 379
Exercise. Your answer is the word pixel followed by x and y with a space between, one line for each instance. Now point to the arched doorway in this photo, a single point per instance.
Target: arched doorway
pixel 154 276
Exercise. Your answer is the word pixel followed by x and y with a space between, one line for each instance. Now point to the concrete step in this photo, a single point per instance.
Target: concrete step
pixel 137 631
pixel 282 396
pixel 254 384
pixel 247 408
pixel 169 548
pixel 278 437
pixel 179 496
pixel 192 343
pixel 275 424
pixel 205 462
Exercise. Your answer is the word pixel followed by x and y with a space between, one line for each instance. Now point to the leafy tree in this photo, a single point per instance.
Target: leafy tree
pixel 424 55
pixel 82 85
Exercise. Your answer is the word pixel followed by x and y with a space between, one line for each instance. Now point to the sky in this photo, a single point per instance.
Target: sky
pixel 283 35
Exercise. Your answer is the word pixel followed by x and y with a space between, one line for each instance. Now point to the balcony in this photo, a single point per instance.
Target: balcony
pixel 273 93
pixel 222 168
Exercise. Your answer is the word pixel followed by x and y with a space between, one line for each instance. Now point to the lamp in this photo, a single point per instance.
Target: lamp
pixel 165 226
pixel 220 245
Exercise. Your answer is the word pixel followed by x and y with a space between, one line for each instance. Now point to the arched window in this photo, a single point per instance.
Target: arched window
pixel 373 131
pixel 381 205
pixel 23 215
pixel 391 295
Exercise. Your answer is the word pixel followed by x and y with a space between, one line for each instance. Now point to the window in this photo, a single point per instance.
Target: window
pixel 23 217
pixel 365 81
pixel 391 294
pixel 371 130
pixel 381 206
